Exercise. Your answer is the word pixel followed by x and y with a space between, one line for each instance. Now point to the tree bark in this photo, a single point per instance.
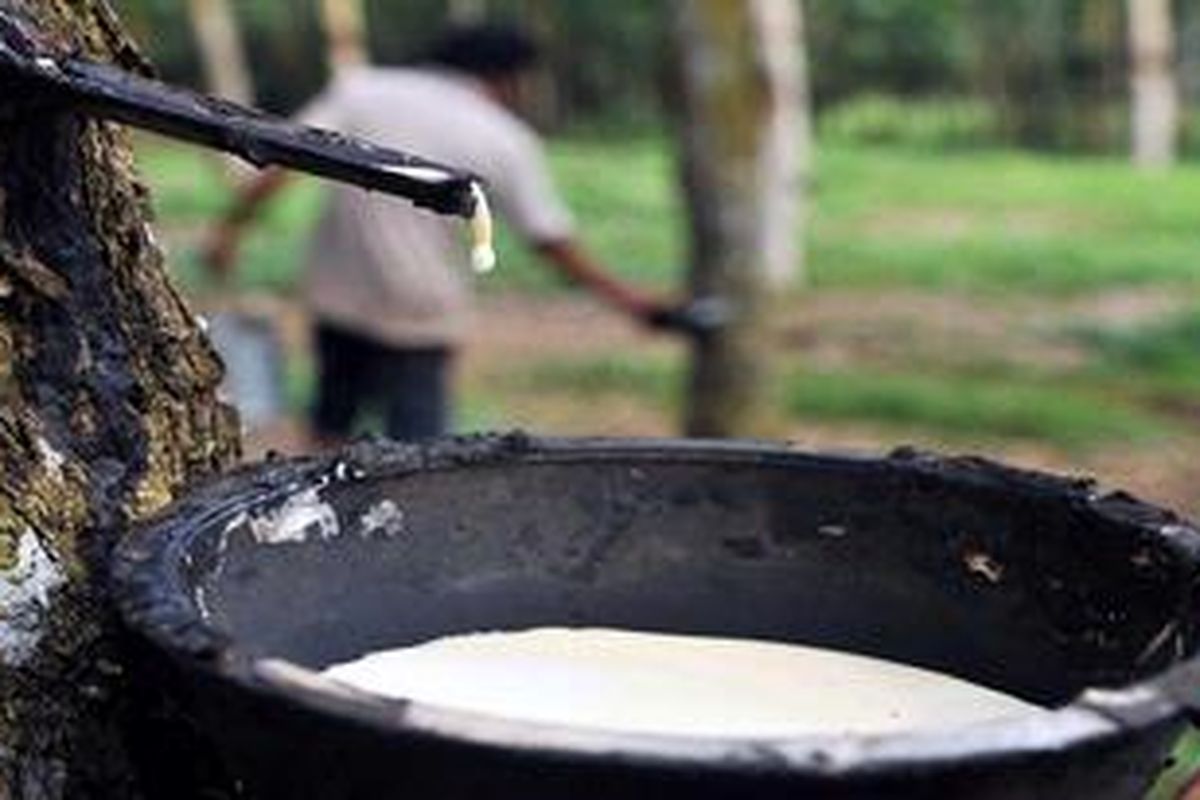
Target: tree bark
pixel 221 53
pixel 742 140
pixel 1154 83
pixel 465 12
pixel 226 74
pixel 345 33
pixel 108 410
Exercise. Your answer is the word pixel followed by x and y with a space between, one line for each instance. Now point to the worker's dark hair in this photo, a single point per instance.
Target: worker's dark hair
pixel 485 50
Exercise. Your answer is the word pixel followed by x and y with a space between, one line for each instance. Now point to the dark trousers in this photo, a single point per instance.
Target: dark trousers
pixel 357 375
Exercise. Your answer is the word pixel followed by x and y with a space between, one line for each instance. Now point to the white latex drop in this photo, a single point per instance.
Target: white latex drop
pixel 483 253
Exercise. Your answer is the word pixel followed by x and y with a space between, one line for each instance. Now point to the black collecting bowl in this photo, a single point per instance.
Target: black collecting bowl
pixel 1034 585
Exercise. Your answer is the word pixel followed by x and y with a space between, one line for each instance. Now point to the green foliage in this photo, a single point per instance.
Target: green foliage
pixel 604 61
pixel 893 46
pixel 933 123
pixel 282 38
pixel 399 29
pixel 607 57
pixel 1051 73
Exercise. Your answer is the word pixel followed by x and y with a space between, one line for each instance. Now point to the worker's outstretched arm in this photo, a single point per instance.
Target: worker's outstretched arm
pixel 570 259
pixel 220 251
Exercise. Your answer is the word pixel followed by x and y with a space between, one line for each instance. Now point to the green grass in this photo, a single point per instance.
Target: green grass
pixel 991 221
pixel 654 380
pixel 956 406
pixel 994 222
pixel 1161 359
pixel 624 201
pixel 190 193
pixel 969 407
pixel 1001 221
pixel 1185 763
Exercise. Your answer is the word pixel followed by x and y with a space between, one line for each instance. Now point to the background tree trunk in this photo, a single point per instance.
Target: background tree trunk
pixel 464 12
pixel 741 138
pixel 108 410
pixel 219 42
pixel 1155 100
pixel 345 33
pixel 226 74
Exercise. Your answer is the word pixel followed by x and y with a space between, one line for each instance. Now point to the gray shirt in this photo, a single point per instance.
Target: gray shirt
pixel 387 270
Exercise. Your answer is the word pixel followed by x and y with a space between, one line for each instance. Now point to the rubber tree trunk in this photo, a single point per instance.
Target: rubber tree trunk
pixel 221 53
pixel 345 33
pixel 226 74
pixel 742 131
pixel 464 12
pixel 1154 83
pixel 108 410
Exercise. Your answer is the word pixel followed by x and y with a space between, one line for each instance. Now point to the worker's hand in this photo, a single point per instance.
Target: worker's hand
pixel 219 253
pixel 648 310
pixel 643 308
pixel 701 317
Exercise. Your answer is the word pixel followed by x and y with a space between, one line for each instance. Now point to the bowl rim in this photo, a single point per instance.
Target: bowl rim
pixel 153 600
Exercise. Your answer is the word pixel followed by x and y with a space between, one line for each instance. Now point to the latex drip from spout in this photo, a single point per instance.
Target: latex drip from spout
pixel 483 252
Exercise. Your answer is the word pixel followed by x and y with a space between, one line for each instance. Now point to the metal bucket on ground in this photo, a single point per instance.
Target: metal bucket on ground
pixel 254 376
pixel 1034 585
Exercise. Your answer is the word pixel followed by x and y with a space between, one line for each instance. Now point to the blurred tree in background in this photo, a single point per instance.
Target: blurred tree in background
pixel 1155 113
pixel 738 77
pixel 222 54
pixel 1047 74
pixel 344 25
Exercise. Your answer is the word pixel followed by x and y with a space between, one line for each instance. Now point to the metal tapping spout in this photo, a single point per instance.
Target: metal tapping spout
pixel 34 75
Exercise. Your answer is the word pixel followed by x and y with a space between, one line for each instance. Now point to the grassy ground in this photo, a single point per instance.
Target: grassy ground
pixel 979 222
pixel 972 299
pixel 1040 310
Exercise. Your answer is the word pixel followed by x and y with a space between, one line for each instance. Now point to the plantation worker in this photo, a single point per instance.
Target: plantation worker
pixel 388 284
